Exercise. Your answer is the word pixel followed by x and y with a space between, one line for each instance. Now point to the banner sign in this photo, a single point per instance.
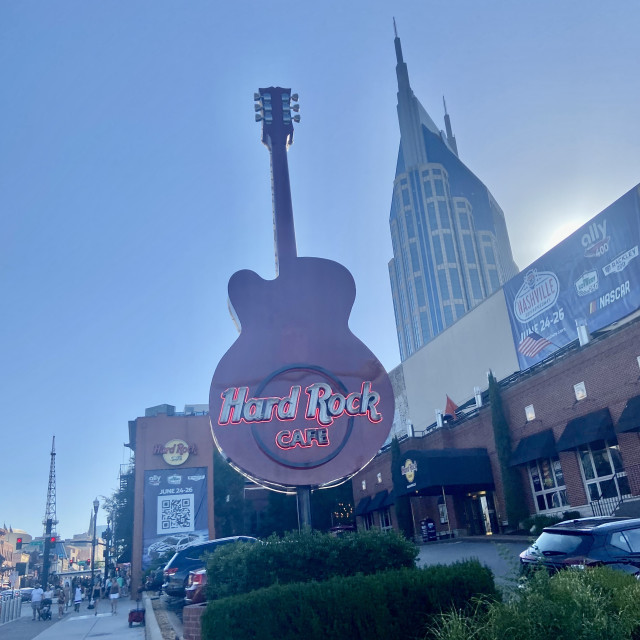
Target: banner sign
pixel 175 511
pixel 592 278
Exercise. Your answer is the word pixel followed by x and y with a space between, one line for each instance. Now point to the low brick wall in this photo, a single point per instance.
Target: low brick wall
pixel 191 620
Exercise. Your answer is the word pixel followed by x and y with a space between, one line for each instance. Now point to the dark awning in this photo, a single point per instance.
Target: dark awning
pixel 630 418
pixel 377 501
pixel 427 472
pixel 389 500
pixel 361 509
pixel 594 426
pixel 539 445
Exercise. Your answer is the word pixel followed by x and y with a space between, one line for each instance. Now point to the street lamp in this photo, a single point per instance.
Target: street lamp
pixel 96 504
pixel 107 542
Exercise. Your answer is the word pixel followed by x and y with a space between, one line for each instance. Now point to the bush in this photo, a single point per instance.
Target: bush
pixel 535 524
pixel 300 557
pixel 391 604
pixel 595 604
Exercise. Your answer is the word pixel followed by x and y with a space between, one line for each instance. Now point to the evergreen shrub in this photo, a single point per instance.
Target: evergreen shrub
pixel 304 556
pixel 397 603
pixel 595 604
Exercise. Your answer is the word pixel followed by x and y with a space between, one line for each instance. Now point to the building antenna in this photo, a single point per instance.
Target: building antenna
pixel 395 30
pixel 451 139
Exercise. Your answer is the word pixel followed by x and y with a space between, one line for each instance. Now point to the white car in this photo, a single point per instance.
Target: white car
pixel 172 544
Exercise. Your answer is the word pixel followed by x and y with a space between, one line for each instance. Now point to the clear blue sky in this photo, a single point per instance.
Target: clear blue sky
pixel 133 183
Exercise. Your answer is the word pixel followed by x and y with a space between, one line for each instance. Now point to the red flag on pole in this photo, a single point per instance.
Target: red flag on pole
pixel 451 408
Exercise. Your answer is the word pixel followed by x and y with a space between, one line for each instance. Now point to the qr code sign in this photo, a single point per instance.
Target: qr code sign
pixel 175 514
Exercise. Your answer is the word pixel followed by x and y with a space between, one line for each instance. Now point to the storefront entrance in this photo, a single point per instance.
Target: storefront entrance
pixel 480 513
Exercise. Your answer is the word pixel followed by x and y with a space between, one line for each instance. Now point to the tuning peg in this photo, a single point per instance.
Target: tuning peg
pixel 258 117
pixel 258 107
pixel 256 97
pixel 295 107
pixel 294 97
pixel 296 118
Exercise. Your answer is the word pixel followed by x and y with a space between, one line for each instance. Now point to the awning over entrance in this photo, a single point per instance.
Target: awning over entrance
pixel 539 445
pixel 630 418
pixel 594 426
pixel 427 472
pixel 377 502
pixel 361 508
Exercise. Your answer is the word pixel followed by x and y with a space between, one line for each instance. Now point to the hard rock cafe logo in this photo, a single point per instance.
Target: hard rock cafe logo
pixel 175 452
pixel 408 470
pixel 322 405
pixel 538 292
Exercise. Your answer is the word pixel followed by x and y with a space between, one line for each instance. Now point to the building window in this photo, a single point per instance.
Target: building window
pixel 580 390
pixel 367 520
pixel 530 412
pixel 385 519
pixel 379 478
pixel 602 469
pixel 428 189
pixel 439 187
pixel 431 212
pixel 547 484
pixel 364 485
pixel 464 218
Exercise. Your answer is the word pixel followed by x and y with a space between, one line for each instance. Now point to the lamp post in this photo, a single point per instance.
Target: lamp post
pixel 107 543
pixel 96 504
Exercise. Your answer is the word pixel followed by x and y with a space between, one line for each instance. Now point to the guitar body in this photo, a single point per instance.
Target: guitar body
pixel 298 400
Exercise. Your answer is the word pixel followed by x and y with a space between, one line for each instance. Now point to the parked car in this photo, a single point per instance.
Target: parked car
pixel 587 542
pixel 172 543
pixel 196 589
pixel 176 571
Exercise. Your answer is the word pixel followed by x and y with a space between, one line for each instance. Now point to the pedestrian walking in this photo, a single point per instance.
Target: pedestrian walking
pixel 61 602
pixel 36 601
pixel 114 594
pixel 77 599
pixel 67 594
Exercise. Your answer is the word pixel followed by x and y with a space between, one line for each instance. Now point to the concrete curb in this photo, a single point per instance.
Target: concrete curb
pixel 151 626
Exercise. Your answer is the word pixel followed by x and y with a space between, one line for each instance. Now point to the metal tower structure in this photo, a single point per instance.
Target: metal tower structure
pixel 50 509
pixel 50 520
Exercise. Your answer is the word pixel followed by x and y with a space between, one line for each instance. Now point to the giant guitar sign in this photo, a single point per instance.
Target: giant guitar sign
pixel 298 400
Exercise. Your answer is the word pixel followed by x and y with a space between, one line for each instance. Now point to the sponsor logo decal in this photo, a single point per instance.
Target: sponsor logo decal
pixel 174 479
pixel 610 297
pixel 587 283
pixel 154 481
pixel 538 292
pixel 619 264
pixel 595 241
pixel 195 478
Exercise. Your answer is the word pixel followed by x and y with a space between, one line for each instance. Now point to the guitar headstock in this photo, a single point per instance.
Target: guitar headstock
pixel 274 109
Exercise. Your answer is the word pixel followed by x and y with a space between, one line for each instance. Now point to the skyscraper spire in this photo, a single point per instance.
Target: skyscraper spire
pixel 50 509
pixel 451 139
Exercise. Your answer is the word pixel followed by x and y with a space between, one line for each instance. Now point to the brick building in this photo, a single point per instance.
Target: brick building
pixel 574 422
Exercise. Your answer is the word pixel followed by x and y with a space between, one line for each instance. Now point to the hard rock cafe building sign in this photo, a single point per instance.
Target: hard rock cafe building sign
pixel 175 452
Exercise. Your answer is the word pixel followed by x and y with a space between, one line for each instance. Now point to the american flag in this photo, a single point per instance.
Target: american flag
pixel 533 344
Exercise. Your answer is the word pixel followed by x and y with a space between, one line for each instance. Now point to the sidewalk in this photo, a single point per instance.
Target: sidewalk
pixel 77 626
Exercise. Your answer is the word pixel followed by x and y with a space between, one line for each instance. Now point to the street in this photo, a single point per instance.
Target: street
pixel 500 557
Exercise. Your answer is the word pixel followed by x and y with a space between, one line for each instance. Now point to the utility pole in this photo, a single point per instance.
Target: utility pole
pixel 50 520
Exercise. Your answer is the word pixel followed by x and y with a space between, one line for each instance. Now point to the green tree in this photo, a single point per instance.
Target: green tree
pixel 402 504
pixel 120 509
pixel 511 477
pixel 228 492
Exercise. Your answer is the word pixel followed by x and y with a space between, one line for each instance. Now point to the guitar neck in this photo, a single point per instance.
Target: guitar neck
pixel 284 234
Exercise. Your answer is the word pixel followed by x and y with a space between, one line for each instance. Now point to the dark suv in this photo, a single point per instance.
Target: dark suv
pixel 176 571
pixel 587 542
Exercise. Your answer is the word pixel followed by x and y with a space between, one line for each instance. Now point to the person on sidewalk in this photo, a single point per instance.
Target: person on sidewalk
pixel 67 594
pixel 114 594
pixel 95 596
pixel 36 601
pixel 61 602
pixel 77 599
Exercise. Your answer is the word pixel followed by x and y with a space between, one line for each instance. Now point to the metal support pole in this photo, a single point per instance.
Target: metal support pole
pixel 46 550
pixel 96 504
pixel 304 507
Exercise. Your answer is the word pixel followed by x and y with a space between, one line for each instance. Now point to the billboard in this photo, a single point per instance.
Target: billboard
pixel 175 511
pixel 592 277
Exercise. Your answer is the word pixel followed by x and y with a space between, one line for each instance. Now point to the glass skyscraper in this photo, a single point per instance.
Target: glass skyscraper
pixel 450 243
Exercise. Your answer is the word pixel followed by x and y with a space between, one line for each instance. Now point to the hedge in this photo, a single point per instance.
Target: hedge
pixel 392 604
pixel 300 557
